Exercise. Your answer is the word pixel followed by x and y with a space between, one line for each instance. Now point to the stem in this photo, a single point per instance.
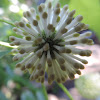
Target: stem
pixel 1 20
pixel 45 92
pixel 66 91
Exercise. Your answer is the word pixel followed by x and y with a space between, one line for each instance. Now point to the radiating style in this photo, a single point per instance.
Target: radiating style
pixel 48 43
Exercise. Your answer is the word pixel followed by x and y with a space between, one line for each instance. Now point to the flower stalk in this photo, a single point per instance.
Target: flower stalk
pixel 45 92
pixel 2 20
pixel 66 91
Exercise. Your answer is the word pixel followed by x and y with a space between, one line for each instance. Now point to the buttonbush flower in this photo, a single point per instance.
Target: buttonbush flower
pixel 48 43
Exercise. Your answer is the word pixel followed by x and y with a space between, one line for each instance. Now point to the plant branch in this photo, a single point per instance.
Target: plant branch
pixel 45 92
pixel 1 20
pixel 66 91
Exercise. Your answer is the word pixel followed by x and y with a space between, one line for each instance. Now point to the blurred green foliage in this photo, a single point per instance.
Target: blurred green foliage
pixel 3 53
pixel 63 2
pixel 89 85
pixel 27 95
pixel 4 3
pixel 23 89
pixel 89 9
pixel 2 96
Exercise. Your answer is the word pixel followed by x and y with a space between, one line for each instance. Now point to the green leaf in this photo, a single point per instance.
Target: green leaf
pixel 4 75
pixel 63 2
pixel 90 10
pixel 2 96
pixel 24 82
pixel 4 3
pixel 3 53
pixel 27 95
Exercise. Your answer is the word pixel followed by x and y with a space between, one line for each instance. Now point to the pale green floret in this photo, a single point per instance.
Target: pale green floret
pixel 28 25
pixel 37 17
pixel 25 33
pixel 28 38
pixel 76 35
pixel 58 19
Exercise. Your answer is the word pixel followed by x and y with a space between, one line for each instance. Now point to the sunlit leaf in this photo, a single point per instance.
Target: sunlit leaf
pixel 90 9
pixel 63 2
pixel 4 3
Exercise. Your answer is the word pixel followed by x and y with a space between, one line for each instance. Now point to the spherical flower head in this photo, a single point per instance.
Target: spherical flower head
pixel 49 41
pixel 89 85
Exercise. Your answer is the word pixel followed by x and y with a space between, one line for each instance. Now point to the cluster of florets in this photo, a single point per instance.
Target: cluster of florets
pixel 49 41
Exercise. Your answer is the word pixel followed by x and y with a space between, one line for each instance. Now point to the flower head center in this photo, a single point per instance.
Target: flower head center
pixel 49 43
